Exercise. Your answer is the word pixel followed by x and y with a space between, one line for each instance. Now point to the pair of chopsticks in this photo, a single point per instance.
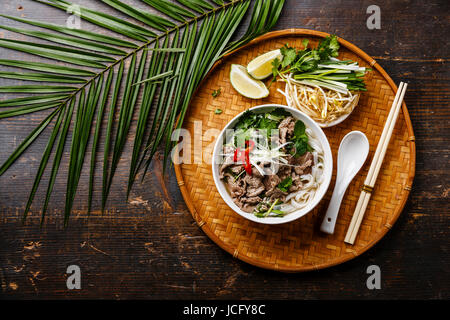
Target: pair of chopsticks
pixel 375 166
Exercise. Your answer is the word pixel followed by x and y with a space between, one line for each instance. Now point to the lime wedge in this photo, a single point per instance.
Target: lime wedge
pixel 261 66
pixel 245 84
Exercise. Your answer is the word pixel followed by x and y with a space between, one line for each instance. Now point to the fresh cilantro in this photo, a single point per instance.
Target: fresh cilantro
pixel 299 129
pixel 245 127
pixel 289 55
pixel 300 139
pixel 265 123
pixel 307 59
pixel 250 122
pixel 247 120
pixel 328 47
pixel 278 114
pixel 300 147
pixel 215 93
pixel 276 63
pixel 285 184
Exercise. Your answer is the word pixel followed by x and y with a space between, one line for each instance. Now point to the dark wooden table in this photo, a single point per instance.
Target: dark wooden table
pixel 151 248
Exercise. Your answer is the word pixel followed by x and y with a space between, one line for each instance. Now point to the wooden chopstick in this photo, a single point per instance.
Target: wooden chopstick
pixel 375 166
pixel 375 159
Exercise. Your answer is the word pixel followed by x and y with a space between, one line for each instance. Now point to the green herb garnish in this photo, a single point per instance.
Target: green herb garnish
pixel 300 139
pixel 278 114
pixel 300 147
pixel 299 129
pixel 240 174
pixel 267 125
pixel 278 213
pixel 271 207
pixel 215 93
pixel 264 213
pixel 265 122
pixel 320 67
pixel 247 120
pixel 218 111
pixel 285 184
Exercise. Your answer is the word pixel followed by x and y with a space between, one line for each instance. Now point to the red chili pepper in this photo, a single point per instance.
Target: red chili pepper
pixel 247 166
pixel 244 155
pixel 249 146
pixel 252 145
pixel 238 155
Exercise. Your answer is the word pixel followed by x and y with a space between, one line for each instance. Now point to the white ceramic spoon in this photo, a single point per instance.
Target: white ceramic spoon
pixel 352 154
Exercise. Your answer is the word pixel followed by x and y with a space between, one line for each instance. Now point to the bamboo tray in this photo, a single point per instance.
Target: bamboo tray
pixel 299 246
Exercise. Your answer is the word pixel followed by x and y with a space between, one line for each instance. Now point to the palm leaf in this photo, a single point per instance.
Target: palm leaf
pixel 32 100
pixel 67 40
pixel 155 78
pixel 190 39
pixel 100 112
pixel 77 57
pixel 126 111
pixel 145 17
pixel 74 152
pixel 28 109
pixel 108 142
pixel 36 89
pixel 196 5
pixel 44 162
pixel 172 10
pixel 162 97
pixel 114 77
pixel 83 123
pixel 106 21
pixel 58 155
pixel 156 64
pixel 41 77
pixel 84 34
pixel 27 142
pixel 45 67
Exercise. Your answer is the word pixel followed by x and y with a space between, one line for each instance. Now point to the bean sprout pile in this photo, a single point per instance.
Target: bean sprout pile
pixel 322 104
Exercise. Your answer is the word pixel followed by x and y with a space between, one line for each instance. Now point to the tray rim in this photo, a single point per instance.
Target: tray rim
pixel 354 253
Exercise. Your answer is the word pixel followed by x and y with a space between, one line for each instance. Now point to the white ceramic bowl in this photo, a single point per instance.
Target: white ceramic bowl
pixel 328 167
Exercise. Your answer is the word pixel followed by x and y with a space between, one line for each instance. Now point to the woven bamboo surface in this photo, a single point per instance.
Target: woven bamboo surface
pixel 299 245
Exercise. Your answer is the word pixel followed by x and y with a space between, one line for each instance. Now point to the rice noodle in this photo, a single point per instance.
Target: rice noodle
pixel 311 182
